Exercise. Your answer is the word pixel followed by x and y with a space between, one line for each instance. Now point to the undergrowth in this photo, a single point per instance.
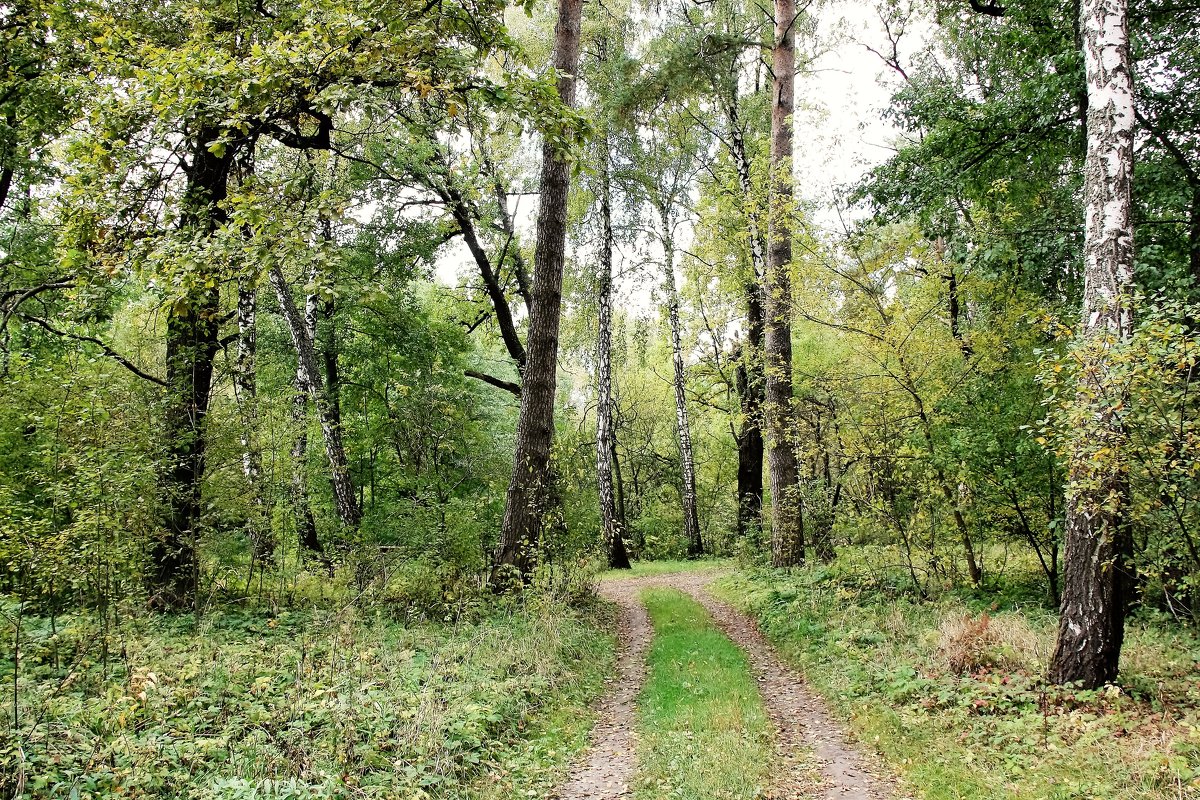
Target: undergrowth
pixel 952 693
pixel 336 703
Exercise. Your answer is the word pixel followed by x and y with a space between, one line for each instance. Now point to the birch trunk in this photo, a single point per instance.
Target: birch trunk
pixel 610 519
pixel 687 461
pixel 528 489
pixel 345 499
pixel 1096 580
pixel 306 524
pixel 750 380
pixel 787 530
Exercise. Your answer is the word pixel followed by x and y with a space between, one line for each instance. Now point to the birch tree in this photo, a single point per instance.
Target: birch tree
pixel 1096 585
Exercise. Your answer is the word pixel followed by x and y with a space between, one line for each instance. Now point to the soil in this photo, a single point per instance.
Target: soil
pixel 814 757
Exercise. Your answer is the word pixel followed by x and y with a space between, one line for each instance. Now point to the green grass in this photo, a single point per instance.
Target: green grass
pixel 314 704
pixel 702 729
pixel 996 731
pixel 649 568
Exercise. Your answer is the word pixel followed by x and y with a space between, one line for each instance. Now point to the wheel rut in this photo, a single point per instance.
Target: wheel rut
pixel 813 756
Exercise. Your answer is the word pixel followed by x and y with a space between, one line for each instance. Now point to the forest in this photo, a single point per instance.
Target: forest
pixel 681 399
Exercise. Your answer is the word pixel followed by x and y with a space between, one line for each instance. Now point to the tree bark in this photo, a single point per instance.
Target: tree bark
pixel 610 519
pixel 345 498
pixel 750 453
pixel 528 489
pixel 1096 580
pixel 191 347
pixel 787 530
pixel 687 460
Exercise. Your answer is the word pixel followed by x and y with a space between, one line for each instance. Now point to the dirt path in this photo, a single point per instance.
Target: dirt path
pixel 813 756
pixel 607 769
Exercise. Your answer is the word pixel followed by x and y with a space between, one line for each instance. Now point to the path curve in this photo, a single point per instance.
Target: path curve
pixel 814 758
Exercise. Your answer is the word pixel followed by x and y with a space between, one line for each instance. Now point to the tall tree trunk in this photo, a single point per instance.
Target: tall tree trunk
pixel 610 519
pixel 787 529
pixel 306 523
pixel 529 486
pixel 191 347
pixel 245 389
pixel 620 482
pixel 750 380
pixel 344 496
pixel 687 460
pixel 1096 581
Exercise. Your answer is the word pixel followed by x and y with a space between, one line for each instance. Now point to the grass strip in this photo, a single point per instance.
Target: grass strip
pixel 702 728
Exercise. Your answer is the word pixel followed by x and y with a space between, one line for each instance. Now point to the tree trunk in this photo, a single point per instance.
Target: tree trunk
pixel 527 495
pixel 245 390
pixel 687 461
pixel 610 520
pixel 345 499
pixel 306 524
pixel 787 530
pixel 750 454
pixel 1096 584
pixel 191 347
pixel 749 378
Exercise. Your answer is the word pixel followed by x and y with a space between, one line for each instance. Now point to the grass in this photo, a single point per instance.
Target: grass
pixel 315 704
pixel 702 729
pixel 649 568
pixel 952 695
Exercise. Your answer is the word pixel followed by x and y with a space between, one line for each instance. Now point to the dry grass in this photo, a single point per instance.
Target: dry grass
pixel 969 644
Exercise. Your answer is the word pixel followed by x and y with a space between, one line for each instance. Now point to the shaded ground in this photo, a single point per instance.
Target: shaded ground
pixel 813 756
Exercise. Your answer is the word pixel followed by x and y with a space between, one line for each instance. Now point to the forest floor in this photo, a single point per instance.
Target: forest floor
pixel 813 757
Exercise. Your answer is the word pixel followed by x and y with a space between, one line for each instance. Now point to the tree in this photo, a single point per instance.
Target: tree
pixel 1096 578
pixel 610 519
pixel 529 486
pixel 787 528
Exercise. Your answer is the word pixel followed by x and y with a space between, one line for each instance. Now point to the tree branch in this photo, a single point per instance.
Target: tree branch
pixel 104 348
pixel 491 380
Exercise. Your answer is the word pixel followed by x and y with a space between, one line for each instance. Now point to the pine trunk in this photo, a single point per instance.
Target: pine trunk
pixel 345 499
pixel 610 519
pixel 787 530
pixel 529 487
pixel 1096 579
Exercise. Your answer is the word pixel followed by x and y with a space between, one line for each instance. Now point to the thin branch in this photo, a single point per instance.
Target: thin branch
pixel 104 348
